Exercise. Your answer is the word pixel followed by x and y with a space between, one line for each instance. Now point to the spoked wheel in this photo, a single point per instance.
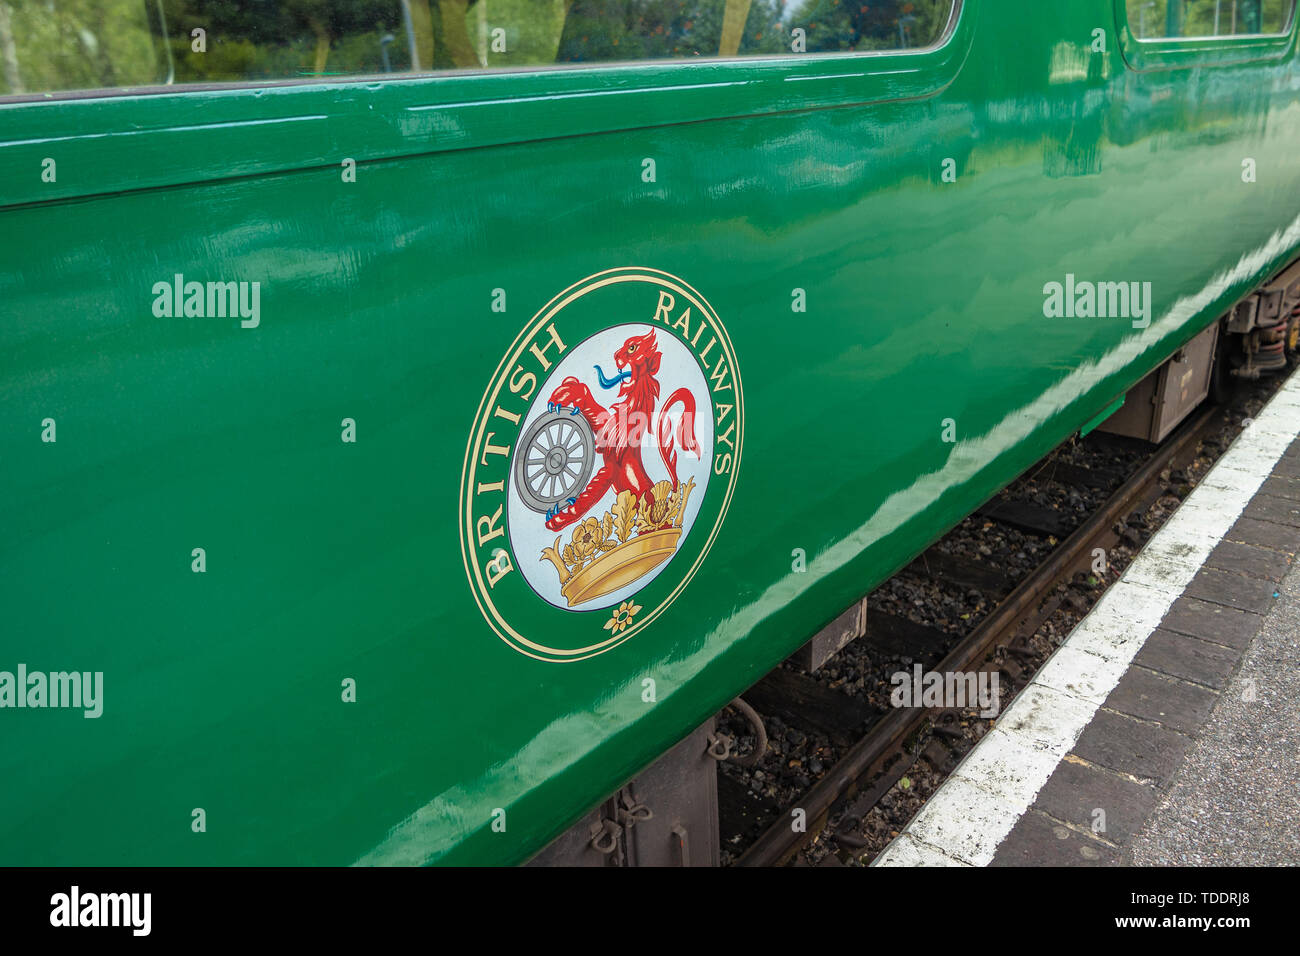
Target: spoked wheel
pixel 555 459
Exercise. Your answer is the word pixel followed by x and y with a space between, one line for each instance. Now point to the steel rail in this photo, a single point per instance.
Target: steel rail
pixel 780 841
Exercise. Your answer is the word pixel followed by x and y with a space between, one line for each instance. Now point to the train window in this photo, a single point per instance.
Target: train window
pixel 59 45
pixel 1166 19
pixel 53 45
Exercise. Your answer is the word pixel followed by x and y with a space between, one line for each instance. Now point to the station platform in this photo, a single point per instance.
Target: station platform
pixel 1166 729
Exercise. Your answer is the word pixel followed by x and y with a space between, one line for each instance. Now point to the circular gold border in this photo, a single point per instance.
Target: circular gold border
pixel 481 593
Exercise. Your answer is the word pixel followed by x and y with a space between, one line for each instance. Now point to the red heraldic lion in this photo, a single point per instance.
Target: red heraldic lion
pixel 620 428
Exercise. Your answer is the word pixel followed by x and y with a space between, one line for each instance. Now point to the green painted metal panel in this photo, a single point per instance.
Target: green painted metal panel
pixel 329 560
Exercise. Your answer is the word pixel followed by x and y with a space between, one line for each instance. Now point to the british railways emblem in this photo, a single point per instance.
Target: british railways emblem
pixel 601 463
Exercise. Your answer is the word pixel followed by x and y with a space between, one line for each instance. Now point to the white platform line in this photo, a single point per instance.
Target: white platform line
pixel 993 787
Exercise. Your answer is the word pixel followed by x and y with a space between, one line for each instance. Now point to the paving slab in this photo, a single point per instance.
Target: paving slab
pixel 1038 840
pixel 1140 748
pixel 1266 534
pixel 1177 704
pixel 1232 590
pixel 1111 806
pixel 1188 658
pixel 1252 561
pixel 1279 510
pixel 1212 622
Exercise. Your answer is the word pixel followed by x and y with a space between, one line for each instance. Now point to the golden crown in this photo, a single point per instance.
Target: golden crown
pixel 629 541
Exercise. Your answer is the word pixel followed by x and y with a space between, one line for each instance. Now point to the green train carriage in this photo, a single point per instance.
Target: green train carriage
pixel 338 614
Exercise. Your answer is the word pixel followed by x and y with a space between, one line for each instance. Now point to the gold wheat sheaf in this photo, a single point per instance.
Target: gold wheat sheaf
pixel 630 516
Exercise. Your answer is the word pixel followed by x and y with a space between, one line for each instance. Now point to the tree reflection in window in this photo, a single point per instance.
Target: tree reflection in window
pixel 48 45
pixel 1163 19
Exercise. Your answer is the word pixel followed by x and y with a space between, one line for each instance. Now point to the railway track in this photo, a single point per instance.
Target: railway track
pixel 1134 489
